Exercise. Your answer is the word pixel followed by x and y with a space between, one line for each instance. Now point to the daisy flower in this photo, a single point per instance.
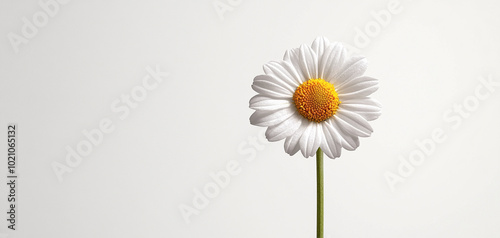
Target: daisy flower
pixel 316 98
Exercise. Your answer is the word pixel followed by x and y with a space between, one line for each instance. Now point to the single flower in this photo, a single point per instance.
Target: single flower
pixel 316 97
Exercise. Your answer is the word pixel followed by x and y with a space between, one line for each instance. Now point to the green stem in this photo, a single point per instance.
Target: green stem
pixel 319 190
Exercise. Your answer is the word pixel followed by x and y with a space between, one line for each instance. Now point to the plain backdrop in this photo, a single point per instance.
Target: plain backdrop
pixel 83 60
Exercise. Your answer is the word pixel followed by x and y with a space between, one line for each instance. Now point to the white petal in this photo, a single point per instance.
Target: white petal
pixel 293 150
pixel 363 90
pixel 319 45
pixel 292 144
pixel 308 61
pixel 260 102
pixel 285 71
pixel 366 107
pixel 353 123
pixel 331 62
pixel 319 138
pixel 292 57
pixel 349 142
pixel 353 68
pixel 335 133
pixel 265 83
pixel 307 139
pixel 290 54
pixel 358 84
pixel 271 118
pixel 297 74
pixel 284 129
pixel 330 143
pixel 310 140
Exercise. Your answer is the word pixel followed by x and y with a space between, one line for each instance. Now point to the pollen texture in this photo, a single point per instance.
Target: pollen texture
pixel 316 100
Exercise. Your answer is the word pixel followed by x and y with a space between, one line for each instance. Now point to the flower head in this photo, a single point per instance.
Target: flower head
pixel 316 97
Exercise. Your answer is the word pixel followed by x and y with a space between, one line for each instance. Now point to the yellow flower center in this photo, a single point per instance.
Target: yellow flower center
pixel 316 100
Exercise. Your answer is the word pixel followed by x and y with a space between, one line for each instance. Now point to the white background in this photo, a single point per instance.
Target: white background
pixel 429 56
